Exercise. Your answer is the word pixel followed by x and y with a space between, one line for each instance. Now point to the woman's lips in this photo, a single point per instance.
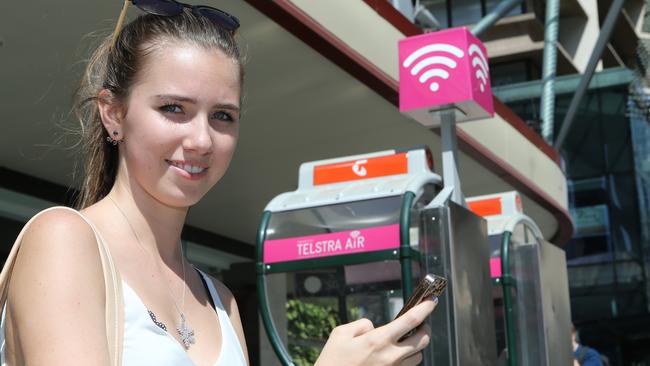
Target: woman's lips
pixel 189 170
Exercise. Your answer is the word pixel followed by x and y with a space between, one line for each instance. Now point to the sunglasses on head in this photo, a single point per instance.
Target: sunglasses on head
pixel 172 7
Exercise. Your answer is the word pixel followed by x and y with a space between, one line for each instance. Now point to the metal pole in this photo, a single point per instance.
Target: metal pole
pixel 508 285
pixel 405 251
pixel 608 25
pixel 497 13
pixel 551 25
pixel 449 159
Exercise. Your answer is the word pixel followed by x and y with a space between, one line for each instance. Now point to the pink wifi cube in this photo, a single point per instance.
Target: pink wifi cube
pixel 442 70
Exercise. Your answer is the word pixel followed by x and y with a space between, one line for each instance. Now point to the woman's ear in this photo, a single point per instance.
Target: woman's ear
pixel 111 113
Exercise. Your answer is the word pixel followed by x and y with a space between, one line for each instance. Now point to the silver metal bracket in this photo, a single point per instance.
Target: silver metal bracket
pixel 442 198
pixel 450 175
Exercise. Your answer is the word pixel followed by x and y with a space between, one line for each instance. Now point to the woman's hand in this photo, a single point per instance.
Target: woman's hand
pixel 360 343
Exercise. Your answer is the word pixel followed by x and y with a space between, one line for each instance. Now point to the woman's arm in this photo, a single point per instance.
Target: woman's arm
pixel 56 301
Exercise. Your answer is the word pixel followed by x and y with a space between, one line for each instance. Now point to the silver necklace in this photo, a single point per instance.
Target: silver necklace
pixel 185 332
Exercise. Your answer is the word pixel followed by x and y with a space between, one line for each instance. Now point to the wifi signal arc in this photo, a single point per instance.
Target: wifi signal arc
pixel 443 47
pixel 433 60
pixel 481 76
pixel 479 61
pixel 433 73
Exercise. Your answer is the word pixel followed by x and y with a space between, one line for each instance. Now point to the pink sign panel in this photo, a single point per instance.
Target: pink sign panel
pixel 495 267
pixel 325 245
pixel 448 67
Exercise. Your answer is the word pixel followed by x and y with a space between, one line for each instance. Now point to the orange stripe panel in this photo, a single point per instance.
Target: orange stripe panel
pixel 487 207
pixel 361 169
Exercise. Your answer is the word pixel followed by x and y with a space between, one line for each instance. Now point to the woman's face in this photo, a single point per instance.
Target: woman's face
pixel 181 123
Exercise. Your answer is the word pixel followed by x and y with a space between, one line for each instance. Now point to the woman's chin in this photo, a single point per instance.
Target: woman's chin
pixel 181 199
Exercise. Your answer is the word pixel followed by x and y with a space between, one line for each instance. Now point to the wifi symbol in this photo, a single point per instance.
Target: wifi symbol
pixel 479 62
pixel 433 60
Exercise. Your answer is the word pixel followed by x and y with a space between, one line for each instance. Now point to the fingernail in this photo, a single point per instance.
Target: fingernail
pixel 435 300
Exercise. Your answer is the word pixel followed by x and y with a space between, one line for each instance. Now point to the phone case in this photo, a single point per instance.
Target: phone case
pixel 430 285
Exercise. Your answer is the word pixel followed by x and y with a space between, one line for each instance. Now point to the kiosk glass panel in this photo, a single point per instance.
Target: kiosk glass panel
pixel 319 299
pixel 333 218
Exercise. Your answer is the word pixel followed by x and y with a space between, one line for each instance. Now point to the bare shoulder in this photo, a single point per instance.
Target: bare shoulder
pixel 55 224
pixel 57 246
pixel 60 236
pixel 56 288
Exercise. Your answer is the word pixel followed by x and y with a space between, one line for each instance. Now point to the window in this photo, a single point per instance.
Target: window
pixel 454 13
pixel 466 12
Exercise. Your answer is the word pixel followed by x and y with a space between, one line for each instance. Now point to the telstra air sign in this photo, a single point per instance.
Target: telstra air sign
pixel 444 69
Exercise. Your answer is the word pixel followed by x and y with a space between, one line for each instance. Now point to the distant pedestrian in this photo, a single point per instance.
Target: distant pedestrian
pixel 583 355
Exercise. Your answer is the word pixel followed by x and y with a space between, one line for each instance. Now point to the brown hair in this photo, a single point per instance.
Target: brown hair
pixel 116 70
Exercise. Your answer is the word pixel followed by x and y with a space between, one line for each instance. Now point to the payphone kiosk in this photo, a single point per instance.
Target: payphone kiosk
pixel 342 239
pixel 352 241
pixel 532 306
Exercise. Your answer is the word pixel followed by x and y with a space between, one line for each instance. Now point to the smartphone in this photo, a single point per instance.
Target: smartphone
pixel 430 285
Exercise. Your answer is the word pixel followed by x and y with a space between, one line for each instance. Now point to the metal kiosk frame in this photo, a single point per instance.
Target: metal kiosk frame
pixel 408 184
pixel 541 295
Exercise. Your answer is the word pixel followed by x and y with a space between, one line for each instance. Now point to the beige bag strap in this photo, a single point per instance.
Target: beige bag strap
pixel 113 285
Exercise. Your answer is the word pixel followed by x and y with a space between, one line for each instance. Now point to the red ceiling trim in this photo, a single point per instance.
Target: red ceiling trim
pixel 305 28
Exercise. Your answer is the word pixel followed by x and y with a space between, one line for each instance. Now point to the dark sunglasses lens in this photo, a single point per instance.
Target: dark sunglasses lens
pixel 159 7
pixel 219 17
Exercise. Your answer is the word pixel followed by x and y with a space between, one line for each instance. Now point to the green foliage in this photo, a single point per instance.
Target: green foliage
pixel 309 327
pixel 303 355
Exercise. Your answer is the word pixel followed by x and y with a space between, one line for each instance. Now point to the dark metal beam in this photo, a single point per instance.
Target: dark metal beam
pixel 603 38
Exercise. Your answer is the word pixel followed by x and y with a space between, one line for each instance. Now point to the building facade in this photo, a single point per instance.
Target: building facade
pixel 605 156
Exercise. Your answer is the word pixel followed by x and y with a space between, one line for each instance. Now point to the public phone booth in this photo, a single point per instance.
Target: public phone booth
pixel 343 238
pixel 352 241
pixel 531 290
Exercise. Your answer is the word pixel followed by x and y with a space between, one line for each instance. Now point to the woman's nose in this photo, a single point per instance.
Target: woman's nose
pixel 198 138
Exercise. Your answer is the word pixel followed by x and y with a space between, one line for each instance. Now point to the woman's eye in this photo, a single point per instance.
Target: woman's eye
pixel 171 108
pixel 222 116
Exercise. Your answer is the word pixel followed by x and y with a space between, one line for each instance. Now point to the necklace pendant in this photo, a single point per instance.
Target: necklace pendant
pixel 186 333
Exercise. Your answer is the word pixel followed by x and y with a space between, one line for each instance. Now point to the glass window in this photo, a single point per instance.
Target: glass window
pixel 587 246
pixel 491 4
pixel 465 12
pixel 509 73
pixel 439 10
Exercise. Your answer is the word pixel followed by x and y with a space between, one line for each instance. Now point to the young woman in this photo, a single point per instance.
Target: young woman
pixel 159 105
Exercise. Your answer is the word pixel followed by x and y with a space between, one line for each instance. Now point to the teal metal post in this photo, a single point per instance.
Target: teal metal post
pixel 549 67
pixel 405 251
pixel 507 282
pixel 276 343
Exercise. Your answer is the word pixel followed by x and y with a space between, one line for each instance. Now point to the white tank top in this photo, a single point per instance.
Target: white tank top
pixel 147 344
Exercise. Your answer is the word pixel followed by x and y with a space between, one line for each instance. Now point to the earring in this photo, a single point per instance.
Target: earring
pixel 113 140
